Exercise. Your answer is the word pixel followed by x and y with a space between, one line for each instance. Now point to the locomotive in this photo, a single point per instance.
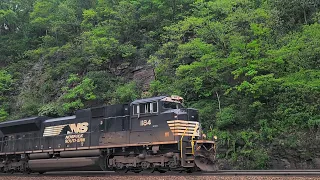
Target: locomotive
pixel 151 134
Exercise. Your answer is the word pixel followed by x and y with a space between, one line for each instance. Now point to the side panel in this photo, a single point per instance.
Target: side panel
pixel 114 138
pixel 69 133
pixel 153 128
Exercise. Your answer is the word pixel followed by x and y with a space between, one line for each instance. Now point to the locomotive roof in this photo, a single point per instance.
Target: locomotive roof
pixel 22 125
pixel 138 101
pixel 59 119
pixel 22 121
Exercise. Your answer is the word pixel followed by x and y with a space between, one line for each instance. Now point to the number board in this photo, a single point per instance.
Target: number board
pixel 145 122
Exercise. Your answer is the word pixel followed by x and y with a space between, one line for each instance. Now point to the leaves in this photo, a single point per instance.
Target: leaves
pixel 250 67
pixel 78 92
pixel 5 87
pixel 233 53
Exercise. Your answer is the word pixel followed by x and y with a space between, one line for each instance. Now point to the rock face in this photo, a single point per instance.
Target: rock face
pixel 291 161
pixel 143 75
pixel 304 154
pixel 299 150
pixel 277 163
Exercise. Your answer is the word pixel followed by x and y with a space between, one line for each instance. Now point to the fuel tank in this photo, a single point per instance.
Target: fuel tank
pixel 39 156
pixel 65 164
pixel 83 153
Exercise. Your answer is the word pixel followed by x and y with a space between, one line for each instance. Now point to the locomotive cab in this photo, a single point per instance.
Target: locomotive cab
pixel 166 117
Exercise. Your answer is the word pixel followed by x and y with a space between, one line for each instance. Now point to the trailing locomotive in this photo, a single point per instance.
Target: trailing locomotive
pixel 152 134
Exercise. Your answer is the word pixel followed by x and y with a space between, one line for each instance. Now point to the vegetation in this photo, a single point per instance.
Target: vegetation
pixel 251 67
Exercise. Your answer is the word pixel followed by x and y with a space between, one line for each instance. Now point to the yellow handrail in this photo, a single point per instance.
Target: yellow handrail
pixel 192 141
pixel 181 141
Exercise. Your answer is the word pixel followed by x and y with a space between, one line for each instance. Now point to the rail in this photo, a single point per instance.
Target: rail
pixel 279 174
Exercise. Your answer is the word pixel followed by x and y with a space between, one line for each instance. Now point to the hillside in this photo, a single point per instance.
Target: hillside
pixel 252 67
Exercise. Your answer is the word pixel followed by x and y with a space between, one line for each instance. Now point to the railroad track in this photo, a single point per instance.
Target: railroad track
pixel 218 173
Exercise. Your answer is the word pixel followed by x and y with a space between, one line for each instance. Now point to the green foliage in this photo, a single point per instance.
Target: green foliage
pixel 3 114
pixel 293 12
pixel 126 93
pixel 251 67
pixel 231 59
pixel 5 82
pixel 77 92
pixel 5 87
pixel 226 118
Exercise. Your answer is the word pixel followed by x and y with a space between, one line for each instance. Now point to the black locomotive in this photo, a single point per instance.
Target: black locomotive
pixel 155 133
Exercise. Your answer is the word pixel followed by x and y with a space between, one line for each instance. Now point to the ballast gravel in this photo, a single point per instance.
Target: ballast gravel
pixel 156 178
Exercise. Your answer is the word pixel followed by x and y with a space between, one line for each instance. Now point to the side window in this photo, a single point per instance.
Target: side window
pixel 142 108
pixel 136 109
pixel 154 107
pixel 145 108
pixel 148 107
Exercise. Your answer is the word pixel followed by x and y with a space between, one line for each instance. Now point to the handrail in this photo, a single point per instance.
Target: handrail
pixel 192 139
pixel 181 141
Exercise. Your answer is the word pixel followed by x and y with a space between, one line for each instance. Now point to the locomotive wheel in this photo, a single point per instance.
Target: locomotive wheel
pixel 119 166
pixel 145 165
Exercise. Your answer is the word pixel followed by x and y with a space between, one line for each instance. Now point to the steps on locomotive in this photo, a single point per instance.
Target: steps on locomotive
pixel 187 155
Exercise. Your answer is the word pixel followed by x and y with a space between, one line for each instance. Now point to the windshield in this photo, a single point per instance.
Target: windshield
pixel 172 105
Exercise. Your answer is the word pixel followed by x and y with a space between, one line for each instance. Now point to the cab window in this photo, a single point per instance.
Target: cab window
pixel 145 108
pixel 154 107
pixel 142 108
pixel 171 105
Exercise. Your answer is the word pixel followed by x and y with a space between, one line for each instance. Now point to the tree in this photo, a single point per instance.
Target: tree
pixel 77 93
pixel 5 87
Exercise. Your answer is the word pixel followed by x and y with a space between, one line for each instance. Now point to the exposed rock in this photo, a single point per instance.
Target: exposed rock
pixel 316 163
pixel 143 75
pixel 123 66
pixel 280 164
pixel 31 80
pixel 224 164
pixel 302 154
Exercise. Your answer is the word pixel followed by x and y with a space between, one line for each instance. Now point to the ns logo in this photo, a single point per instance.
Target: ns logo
pixel 78 128
pixel 75 135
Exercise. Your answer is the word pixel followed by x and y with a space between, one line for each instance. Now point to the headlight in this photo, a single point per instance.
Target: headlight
pixel 215 137
pixel 204 136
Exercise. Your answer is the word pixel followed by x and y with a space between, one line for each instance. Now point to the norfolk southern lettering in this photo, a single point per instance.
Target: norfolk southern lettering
pixel 74 133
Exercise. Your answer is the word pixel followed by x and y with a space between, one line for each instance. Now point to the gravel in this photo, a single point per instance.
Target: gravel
pixel 155 177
